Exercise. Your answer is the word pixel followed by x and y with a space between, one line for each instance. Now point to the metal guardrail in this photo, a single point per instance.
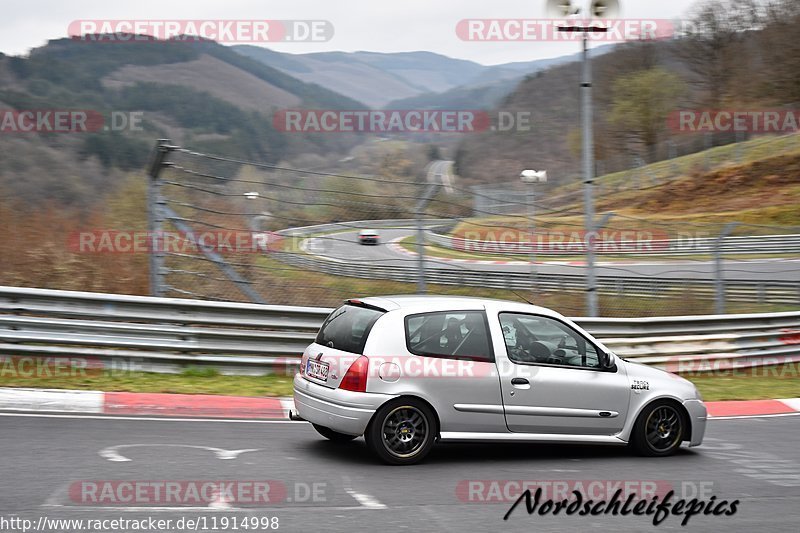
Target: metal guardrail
pixel 743 245
pixel 166 334
pixel 154 334
pixel 702 343
pixel 771 291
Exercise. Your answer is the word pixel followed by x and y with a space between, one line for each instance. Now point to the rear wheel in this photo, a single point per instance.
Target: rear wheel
pixel 332 435
pixel 659 430
pixel 402 432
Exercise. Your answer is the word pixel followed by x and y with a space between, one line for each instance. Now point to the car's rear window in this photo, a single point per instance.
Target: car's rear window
pixel 449 334
pixel 347 328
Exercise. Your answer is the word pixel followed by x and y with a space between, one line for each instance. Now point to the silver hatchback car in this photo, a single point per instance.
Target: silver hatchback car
pixel 409 371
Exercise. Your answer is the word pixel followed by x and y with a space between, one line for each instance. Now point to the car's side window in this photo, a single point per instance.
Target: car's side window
pixel 545 340
pixel 449 334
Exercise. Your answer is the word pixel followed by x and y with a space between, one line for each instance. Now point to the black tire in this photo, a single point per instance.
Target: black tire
pixel 332 435
pixel 402 432
pixel 659 430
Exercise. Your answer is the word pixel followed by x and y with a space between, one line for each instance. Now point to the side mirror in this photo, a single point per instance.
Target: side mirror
pixel 606 361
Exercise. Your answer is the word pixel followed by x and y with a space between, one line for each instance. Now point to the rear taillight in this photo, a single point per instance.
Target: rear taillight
pixel 355 379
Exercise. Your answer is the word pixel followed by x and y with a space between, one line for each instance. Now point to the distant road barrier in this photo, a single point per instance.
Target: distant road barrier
pixel 734 245
pixel 762 291
pixel 120 332
pixel 742 245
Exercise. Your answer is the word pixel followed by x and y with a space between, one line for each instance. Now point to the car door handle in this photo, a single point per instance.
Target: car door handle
pixel 520 381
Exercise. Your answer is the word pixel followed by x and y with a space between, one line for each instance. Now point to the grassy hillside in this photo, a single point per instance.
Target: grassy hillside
pixel 764 191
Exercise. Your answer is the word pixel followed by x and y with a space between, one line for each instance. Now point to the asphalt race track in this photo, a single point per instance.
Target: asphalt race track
pixel 753 460
pixel 345 248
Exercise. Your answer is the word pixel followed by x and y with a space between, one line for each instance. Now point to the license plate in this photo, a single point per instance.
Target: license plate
pixel 317 370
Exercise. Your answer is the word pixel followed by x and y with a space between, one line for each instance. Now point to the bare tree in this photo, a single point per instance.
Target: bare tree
pixel 712 48
pixel 642 102
pixel 781 51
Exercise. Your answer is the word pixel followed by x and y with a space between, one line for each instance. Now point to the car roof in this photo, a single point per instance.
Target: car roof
pixel 421 302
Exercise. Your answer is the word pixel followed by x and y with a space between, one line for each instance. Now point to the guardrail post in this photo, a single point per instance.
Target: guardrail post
pixel 719 282
pixel 155 215
pixel 592 226
pixel 420 212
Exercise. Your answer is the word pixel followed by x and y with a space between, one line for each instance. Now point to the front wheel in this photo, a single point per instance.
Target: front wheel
pixel 332 435
pixel 402 432
pixel 659 430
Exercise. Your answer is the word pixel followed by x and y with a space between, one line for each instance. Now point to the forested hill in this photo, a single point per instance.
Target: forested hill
pixel 198 93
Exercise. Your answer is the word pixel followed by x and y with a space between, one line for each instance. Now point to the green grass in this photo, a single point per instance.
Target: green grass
pixel 762 383
pixel 753 384
pixel 191 381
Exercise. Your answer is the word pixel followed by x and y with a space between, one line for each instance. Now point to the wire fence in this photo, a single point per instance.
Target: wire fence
pixel 247 231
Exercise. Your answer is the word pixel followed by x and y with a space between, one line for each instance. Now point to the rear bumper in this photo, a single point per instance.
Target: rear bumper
pixel 341 410
pixel 698 416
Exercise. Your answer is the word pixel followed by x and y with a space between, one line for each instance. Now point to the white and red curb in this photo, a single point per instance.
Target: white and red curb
pixel 214 406
pixel 743 408
pixel 134 403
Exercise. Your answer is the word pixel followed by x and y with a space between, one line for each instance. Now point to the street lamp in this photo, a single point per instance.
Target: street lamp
pixel 533 177
pixel 596 8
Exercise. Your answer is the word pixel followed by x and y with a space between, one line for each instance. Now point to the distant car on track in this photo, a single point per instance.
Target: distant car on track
pixel 408 371
pixel 368 236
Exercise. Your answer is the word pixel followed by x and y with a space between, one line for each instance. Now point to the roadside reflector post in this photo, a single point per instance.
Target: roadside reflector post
pixel 719 281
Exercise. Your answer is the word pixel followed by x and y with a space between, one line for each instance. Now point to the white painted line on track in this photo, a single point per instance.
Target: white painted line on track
pixel 112 452
pixel 366 501
pixel 249 421
pixel 154 419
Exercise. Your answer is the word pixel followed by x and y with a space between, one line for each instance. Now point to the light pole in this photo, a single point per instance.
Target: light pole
pixel 533 177
pixel 596 8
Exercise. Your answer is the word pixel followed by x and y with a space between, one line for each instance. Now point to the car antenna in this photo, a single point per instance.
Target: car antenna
pixel 521 297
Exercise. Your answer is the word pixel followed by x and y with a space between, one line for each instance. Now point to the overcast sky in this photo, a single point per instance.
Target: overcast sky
pixel 373 25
